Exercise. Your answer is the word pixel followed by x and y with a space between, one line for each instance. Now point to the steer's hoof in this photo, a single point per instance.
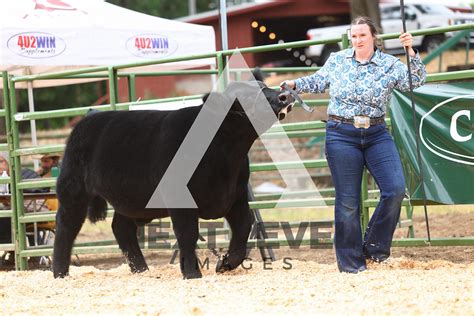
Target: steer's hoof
pixel 138 268
pixel 223 264
pixel 193 275
pixel 60 275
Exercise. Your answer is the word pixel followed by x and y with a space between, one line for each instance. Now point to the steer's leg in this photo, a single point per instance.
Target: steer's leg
pixel 69 219
pixel 185 226
pixel 125 232
pixel 240 220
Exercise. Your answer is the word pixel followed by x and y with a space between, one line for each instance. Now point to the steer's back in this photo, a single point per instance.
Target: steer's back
pixel 121 155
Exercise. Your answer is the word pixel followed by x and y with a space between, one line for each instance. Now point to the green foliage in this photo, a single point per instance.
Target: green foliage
pixel 150 7
pixel 169 9
pixel 63 97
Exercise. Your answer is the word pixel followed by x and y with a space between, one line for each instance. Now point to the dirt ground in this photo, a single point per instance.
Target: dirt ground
pixel 294 286
pixel 417 280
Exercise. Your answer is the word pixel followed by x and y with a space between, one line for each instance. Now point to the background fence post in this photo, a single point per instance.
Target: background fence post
pixel 113 89
pixel 345 41
pixel 6 107
pixel 132 94
pixel 221 76
pixel 15 176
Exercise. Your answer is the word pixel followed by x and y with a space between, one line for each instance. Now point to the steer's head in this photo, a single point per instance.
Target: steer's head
pixel 285 105
pixel 251 102
pixel 258 102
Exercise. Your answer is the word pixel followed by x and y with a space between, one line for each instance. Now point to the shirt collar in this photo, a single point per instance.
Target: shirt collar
pixel 376 57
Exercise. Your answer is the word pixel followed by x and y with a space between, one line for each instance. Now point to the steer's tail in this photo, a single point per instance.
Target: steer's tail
pixel 97 206
pixel 96 209
pixel 72 186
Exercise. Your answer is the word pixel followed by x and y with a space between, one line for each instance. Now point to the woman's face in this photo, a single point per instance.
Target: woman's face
pixel 3 165
pixel 361 38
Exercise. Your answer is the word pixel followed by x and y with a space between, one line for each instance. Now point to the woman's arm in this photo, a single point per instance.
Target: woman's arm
pixel 418 69
pixel 418 73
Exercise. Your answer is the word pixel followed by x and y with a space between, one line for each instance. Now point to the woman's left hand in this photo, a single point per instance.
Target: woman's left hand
pixel 406 39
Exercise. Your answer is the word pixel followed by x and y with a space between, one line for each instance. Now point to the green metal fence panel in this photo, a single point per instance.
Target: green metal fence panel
pixel 8 212
pixel 17 196
pixel 445 46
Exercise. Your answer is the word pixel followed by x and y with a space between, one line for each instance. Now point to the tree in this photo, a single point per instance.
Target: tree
pixel 368 8
pixel 61 97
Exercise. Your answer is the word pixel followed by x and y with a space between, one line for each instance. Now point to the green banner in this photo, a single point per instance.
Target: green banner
pixel 445 119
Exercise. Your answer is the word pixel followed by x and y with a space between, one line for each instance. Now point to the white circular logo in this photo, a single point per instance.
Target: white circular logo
pixel 36 45
pixel 464 140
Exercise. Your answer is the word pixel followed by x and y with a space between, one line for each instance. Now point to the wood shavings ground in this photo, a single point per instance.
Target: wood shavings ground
pixel 403 286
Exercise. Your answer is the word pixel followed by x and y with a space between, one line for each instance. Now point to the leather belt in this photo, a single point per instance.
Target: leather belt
pixel 373 120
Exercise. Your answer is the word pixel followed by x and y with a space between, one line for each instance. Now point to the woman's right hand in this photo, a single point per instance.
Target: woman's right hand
pixel 290 83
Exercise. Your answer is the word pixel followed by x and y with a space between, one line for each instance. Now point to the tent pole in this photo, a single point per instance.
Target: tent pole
pixel 31 107
pixel 223 24
pixel 191 7
pixel 223 31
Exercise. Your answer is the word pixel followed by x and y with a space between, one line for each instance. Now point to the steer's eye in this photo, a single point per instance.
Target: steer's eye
pixel 283 97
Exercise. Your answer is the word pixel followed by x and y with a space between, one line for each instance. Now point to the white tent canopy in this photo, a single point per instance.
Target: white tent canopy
pixel 40 36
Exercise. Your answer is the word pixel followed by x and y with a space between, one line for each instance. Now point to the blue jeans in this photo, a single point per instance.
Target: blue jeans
pixel 348 150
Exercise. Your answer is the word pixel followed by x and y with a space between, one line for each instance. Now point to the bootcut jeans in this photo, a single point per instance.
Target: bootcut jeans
pixel 348 150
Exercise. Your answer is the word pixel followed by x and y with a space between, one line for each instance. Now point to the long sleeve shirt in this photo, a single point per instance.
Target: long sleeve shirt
pixel 362 88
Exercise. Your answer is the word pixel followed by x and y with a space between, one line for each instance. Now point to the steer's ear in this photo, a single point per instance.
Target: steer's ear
pixel 204 98
pixel 215 100
pixel 92 111
pixel 258 74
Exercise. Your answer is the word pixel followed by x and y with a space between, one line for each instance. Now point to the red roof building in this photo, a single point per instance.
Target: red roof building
pixel 255 24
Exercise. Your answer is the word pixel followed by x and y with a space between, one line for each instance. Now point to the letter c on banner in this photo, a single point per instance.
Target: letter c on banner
pixel 454 123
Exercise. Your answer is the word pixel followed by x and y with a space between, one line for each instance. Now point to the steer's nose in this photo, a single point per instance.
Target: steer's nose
pixel 284 96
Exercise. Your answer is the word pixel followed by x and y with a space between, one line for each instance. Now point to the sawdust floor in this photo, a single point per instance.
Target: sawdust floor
pixel 405 286
pixel 424 280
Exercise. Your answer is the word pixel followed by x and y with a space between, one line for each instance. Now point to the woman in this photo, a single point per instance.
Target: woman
pixel 360 81
pixel 37 205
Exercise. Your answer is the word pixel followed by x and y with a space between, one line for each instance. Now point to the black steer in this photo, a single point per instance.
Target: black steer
pixel 120 157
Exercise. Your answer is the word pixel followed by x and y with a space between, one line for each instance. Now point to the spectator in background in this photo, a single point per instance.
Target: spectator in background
pixel 5 223
pixel 48 161
pixel 38 205
pixel 369 8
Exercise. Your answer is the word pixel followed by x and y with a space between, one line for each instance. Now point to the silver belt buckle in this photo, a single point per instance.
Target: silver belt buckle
pixel 362 122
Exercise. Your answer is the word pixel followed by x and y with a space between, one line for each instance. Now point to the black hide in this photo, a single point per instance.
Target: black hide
pixel 120 157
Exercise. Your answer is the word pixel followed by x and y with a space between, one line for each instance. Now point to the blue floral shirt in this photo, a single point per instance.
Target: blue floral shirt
pixel 361 89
